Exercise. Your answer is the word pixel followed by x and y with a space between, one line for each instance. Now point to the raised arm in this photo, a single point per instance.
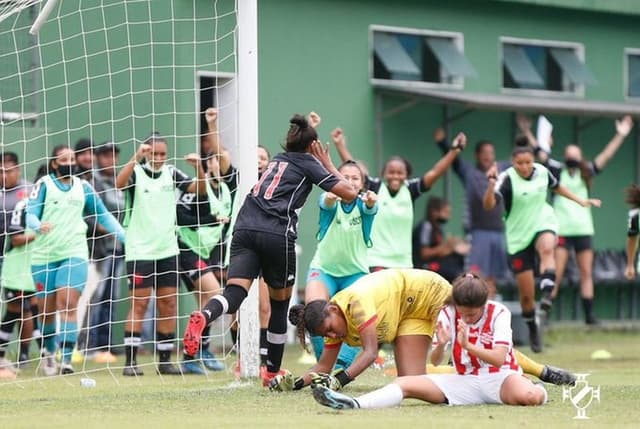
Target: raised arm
pixel 430 177
pixel 213 139
pixel 489 200
pixel 623 128
pixel 340 143
pixel 343 188
pixel 122 180
pixel 524 125
pixel 199 184
pixel 461 167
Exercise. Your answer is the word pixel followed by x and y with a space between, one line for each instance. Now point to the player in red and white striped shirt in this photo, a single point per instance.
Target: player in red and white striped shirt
pixel 487 371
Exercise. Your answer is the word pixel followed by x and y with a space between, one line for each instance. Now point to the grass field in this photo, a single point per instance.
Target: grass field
pixel 219 401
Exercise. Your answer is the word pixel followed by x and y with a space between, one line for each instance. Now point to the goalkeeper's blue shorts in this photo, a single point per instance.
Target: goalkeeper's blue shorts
pixel 70 272
pixel 332 283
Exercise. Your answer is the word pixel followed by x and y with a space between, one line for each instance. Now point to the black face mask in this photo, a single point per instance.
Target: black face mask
pixel 571 163
pixel 442 220
pixel 66 170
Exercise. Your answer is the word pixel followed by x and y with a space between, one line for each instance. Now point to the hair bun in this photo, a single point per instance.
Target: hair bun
pixel 299 120
pixel 296 313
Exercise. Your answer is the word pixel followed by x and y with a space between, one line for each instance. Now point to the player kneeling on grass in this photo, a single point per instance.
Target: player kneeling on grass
pixel 398 306
pixel 487 371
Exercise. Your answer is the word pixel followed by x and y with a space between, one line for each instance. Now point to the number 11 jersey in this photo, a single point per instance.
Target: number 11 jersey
pixel 272 204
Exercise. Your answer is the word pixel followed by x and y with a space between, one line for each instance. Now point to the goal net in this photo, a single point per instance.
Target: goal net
pixel 99 77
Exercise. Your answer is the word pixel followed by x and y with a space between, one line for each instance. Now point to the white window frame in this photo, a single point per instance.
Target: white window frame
pixel 577 47
pixel 625 72
pixel 227 108
pixel 458 40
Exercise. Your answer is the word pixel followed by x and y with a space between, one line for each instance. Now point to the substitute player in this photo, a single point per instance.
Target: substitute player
pixel 341 256
pixel 487 371
pixel 531 227
pixel 17 282
pixel 151 252
pixel 60 255
pixel 398 306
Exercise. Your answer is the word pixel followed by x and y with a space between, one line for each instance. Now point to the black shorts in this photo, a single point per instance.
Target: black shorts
pixel 253 252
pixel 578 243
pixel 218 255
pixel 14 294
pixel 192 267
pixel 526 258
pixel 155 273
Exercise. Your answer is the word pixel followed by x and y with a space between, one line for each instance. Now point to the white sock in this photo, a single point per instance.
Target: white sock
pixel 385 397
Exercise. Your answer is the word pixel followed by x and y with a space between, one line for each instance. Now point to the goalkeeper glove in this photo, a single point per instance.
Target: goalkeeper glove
pixel 285 383
pixel 334 381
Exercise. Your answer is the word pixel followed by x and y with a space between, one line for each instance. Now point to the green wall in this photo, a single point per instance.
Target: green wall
pixel 315 56
pixel 312 56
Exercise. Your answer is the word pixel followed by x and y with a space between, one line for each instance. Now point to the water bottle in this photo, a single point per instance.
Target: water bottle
pixel 87 382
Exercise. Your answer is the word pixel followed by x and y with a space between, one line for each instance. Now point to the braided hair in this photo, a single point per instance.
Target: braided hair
pixel 308 318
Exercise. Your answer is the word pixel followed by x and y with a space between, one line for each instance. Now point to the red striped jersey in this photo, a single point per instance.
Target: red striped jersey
pixel 492 330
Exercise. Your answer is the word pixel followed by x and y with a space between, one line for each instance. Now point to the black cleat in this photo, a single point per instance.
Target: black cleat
pixel 546 301
pixel 167 368
pixel 132 371
pixel 327 397
pixel 534 337
pixel 592 321
pixel 557 376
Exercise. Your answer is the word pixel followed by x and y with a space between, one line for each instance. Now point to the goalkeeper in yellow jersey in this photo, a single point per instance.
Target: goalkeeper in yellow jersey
pixel 398 306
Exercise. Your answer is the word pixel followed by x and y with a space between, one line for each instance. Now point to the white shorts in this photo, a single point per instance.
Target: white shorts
pixel 472 389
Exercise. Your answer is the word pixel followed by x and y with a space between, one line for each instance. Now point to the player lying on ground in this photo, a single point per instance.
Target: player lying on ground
pixel 487 371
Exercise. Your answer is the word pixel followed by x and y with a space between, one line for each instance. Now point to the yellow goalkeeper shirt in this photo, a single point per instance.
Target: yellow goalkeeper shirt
pixel 399 301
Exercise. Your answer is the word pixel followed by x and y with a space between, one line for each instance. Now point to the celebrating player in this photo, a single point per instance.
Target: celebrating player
pixel 341 256
pixel 265 233
pixel 396 195
pixel 60 254
pixel 152 250
pixel 531 226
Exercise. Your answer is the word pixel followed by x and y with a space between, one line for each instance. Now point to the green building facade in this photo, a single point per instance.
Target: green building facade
pixel 388 73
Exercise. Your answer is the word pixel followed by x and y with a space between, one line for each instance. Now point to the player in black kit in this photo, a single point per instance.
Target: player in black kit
pixel 265 233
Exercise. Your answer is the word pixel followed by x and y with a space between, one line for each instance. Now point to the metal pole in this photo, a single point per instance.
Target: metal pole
pixel 247 143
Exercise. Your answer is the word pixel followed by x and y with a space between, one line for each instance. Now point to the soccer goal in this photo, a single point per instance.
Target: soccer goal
pixel 103 75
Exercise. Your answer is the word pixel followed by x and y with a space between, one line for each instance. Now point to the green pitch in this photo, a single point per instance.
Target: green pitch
pixel 218 401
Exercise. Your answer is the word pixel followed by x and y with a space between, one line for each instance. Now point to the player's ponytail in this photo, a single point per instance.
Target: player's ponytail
pixel 300 135
pixel 308 318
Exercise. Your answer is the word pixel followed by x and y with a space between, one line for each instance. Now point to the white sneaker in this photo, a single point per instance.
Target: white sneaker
pixel 7 364
pixel 66 368
pixel 48 364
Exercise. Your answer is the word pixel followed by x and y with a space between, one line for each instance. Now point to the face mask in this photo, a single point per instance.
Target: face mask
pixel 571 163
pixel 442 220
pixel 65 170
pixel 149 167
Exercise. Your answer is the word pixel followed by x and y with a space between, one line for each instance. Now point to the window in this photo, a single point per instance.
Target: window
pixel 544 66
pixel 219 90
pixel 428 57
pixel 632 57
